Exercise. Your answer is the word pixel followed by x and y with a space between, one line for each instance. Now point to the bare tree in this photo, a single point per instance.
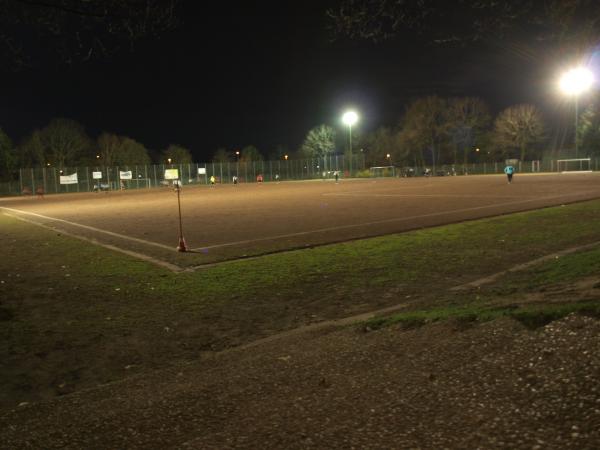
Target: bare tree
pixel 31 151
pixel 381 142
pixel 64 142
pixel 468 118
pixel 108 147
pixel 565 21
pixel 519 128
pixel 424 128
pixel 78 30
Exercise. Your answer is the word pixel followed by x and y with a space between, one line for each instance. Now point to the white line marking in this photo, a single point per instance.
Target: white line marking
pixel 97 230
pixel 365 194
pixel 524 266
pixel 150 259
pixel 377 222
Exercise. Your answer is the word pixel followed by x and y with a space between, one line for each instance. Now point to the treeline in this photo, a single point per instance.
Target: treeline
pixel 64 143
pixel 432 130
pixel 436 130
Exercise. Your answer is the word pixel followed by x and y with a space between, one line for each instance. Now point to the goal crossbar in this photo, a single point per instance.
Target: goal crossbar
pixel 574 165
pixel 383 170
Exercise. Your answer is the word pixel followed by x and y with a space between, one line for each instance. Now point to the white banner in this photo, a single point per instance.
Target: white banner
pixel 171 174
pixel 201 170
pixel 68 179
pixel 125 175
pixel 97 175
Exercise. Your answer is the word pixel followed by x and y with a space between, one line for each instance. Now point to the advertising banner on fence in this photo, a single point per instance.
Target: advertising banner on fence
pixel 68 179
pixel 97 175
pixel 125 175
pixel 201 170
pixel 171 174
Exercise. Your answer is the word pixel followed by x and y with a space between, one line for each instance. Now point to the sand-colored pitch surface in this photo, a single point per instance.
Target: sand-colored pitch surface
pixel 227 222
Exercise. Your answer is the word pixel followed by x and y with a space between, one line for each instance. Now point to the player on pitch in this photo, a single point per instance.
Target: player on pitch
pixel 509 171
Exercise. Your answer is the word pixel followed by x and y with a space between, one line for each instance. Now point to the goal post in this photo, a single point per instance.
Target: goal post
pixel 575 165
pixel 383 171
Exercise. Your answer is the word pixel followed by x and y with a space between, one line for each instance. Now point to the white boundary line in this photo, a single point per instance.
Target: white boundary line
pixel 365 194
pixel 87 227
pixel 150 259
pixel 377 222
pixel 526 265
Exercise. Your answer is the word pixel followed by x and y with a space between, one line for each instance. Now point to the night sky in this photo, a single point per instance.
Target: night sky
pixel 264 75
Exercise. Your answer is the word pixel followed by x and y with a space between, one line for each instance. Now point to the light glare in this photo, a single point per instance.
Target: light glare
pixel 576 81
pixel 350 118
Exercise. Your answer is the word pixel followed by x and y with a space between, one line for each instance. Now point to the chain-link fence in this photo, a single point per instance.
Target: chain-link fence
pixel 49 180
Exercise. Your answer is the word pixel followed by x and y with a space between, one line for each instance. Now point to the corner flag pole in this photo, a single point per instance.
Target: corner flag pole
pixel 182 247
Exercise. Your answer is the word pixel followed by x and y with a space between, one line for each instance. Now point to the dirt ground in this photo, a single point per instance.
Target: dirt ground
pixel 228 222
pixel 443 385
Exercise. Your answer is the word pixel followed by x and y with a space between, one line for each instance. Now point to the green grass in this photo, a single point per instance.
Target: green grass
pixel 532 317
pixel 74 312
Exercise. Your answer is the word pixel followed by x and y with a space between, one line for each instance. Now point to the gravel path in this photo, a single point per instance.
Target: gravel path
pixel 493 385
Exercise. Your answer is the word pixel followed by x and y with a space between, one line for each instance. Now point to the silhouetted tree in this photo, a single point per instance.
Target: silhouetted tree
pixel 78 30
pixel 519 128
pixel 319 142
pixel 178 154
pixel 464 21
pixel 63 142
pixel 588 130
pixel 222 156
pixel 468 118
pixel 424 128
pixel 250 153
pixel 8 156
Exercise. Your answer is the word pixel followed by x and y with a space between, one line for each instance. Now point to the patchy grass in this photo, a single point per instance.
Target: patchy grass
pixel 73 315
pixel 532 317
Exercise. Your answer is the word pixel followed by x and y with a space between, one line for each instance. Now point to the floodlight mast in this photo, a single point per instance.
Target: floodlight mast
pixel 350 118
pixel 573 83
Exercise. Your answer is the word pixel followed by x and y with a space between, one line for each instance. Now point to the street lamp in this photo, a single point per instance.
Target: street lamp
pixel 573 83
pixel 350 118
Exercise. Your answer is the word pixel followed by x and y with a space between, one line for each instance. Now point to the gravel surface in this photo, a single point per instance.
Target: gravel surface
pixel 491 385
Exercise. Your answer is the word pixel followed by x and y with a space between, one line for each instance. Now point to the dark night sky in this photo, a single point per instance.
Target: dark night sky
pixel 264 75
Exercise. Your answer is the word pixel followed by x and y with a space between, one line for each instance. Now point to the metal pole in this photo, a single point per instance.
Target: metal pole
pixel 576 124
pixel 350 163
pixel 182 247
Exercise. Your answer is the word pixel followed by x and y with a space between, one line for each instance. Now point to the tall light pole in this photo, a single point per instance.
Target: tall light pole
pixel 350 118
pixel 574 83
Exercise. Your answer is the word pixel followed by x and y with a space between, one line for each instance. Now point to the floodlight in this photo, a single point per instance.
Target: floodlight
pixel 576 81
pixel 350 118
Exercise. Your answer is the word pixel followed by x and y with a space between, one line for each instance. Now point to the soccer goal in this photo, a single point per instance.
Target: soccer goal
pixel 384 171
pixel 574 165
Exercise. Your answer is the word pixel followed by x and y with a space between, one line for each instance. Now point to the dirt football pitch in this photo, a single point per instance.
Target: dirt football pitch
pixel 226 222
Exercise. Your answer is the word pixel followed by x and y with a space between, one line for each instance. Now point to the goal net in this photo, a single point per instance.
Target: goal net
pixel 384 171
pixel 574 165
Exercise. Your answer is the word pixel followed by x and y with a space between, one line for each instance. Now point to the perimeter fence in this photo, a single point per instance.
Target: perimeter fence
pixel 50 180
